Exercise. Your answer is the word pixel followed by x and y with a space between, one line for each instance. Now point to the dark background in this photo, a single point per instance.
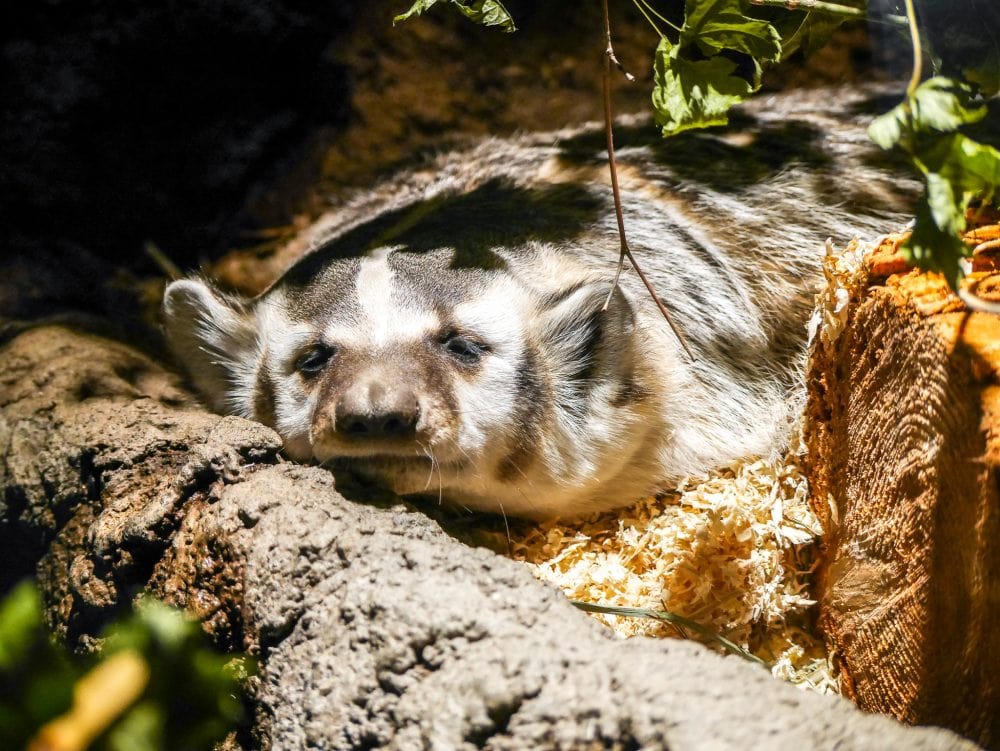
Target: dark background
pixel 194 125
pixel 124 122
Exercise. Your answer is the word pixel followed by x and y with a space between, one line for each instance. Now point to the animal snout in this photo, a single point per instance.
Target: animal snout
pixel 375 411
pixel 389 425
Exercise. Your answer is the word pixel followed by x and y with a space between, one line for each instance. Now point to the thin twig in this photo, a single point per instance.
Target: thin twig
pixel 918 53
pixel 834 9
pixel 170 269
pixel 625 251
pixel 678 621
pixel 649 20
pixel 609 51
pixel 977 303
pixel 656 13
pixel 609 55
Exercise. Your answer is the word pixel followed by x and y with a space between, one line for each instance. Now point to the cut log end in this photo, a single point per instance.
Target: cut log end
pixel 904 444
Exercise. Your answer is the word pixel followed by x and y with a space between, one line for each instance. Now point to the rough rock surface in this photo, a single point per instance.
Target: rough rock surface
pixel 375 628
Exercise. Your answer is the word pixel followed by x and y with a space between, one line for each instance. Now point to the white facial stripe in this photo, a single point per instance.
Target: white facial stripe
pixel 382 319
pixel 497 314
pixel 374 288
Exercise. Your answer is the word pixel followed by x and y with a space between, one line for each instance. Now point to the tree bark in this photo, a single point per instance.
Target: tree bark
pixel 374 628
pixel 904 447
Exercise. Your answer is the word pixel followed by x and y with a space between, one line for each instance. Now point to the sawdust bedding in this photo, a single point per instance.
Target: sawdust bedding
pixel 734 551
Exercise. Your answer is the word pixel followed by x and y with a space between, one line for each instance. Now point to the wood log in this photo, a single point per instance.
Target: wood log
pixel 903 431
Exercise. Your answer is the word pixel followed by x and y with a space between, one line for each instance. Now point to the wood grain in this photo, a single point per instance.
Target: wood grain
pixel 904 445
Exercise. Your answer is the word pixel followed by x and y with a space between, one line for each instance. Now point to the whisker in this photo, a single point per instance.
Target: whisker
pixel 520 471
pixel 435 464
pixel 472 466
pixel 430 456
pixel 440 484
pixel 505 524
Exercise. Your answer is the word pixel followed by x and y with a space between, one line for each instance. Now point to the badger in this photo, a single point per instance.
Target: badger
pixel 455 332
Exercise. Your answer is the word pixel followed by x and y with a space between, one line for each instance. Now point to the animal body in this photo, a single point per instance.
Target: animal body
pixel 446 333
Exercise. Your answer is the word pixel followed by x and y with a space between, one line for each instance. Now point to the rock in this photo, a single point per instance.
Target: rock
pixel 374 628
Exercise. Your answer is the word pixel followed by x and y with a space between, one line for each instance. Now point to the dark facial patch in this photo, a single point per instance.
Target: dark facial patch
pixel 493 215
pixel 531 399
pixel 583 328
pixel 498 214
pixel 263 396
pixel 428 280
pixel 585 355
pixel 461 236
pixel 313 297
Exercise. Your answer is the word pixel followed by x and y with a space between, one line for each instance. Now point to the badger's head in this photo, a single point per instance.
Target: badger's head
pixel 492 385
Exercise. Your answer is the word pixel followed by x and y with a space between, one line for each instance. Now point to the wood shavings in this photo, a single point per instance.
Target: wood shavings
pixel 732 550
pixel 844 273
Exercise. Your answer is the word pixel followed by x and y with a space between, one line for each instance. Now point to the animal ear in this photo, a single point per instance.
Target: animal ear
pixel 583 339
pixel 214 338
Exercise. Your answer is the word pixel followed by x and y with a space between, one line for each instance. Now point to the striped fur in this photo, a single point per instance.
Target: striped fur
pixel 457 310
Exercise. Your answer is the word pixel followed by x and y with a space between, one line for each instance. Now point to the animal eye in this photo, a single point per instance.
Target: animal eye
pixel 463 349
pixel 312 361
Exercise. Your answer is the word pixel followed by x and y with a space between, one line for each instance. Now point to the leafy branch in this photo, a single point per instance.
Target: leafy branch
pixel 715 60
pixel 156 683
pixel 957 170
pixel 485 12
pixel 699 76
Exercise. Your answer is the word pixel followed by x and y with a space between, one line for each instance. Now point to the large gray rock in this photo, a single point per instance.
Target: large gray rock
pixel 375 628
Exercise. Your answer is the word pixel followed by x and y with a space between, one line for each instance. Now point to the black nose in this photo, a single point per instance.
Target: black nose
pixel 396 424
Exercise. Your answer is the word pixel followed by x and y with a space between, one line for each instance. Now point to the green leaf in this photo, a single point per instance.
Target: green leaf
pixel 168 626
pixel 20 623
pixel 140 729
pixel 935 242
pixel 970 166
pixel 945 206
pixel 810 34
pixel 944 105
pixel 987 78
pixel 36 677
pixel 887 129
pixel 693 94
pixel 697 79
pixel 939 105
pixel 485 12
pixel 956 168
pixel 716 25
pixel 179 654
pixel 980 165
pixel 488 13
pixel 415 10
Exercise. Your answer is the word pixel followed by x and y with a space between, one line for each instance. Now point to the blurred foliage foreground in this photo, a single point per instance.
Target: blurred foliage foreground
pixel 155 684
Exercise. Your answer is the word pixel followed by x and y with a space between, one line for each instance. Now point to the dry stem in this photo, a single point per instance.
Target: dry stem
pixel 625 251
